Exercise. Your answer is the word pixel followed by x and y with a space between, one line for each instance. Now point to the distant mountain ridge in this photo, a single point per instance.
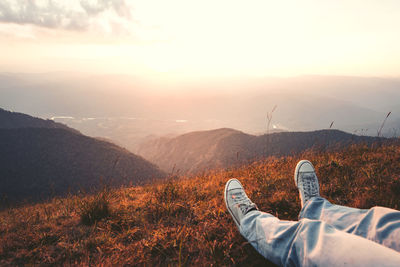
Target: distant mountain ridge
pixel 42 159
pixel 141 108
pixel 14 120
pixel 225 147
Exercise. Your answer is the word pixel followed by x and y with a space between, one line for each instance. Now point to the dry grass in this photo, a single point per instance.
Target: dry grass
pixel 184 222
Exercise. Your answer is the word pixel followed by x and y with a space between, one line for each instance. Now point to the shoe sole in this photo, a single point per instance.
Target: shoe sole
pixel 298 166
pixel 226 202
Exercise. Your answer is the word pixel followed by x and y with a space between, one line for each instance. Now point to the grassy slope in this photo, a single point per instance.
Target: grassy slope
pixel 185 222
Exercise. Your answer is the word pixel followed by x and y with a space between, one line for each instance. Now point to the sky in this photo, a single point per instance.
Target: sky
pixel 174 39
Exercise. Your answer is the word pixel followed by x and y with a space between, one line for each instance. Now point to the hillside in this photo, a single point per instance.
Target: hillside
pixel 196 151
pixel 38 163
pixel 184 222
pixel 41 159
pixel 13 120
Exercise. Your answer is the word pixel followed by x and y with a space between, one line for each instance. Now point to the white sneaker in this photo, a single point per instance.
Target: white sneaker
pixel 306 181
pixel 236 200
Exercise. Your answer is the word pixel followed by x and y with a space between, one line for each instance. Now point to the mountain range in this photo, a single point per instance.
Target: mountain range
pixel 43 158
pixel 222 148
pixel 140 108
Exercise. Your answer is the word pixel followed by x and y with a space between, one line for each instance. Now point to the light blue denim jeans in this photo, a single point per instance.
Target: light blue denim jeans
pixel 326 235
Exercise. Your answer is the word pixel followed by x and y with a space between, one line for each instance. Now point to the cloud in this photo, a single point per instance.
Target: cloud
pixel 79 15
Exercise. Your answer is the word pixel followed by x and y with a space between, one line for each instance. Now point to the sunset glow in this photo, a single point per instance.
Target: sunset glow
pixel 179 38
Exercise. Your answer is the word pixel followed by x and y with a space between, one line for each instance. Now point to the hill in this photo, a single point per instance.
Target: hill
pixel 15 120
pixel 196 151
pixel 184 222
pixel 37 163
pixel 42 158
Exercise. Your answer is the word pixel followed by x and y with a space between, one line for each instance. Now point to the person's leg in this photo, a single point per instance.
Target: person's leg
pixel 381 225
pixel 303 243
pixel 311 243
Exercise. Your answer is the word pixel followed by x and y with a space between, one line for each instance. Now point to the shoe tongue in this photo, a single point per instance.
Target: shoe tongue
pixel 307 168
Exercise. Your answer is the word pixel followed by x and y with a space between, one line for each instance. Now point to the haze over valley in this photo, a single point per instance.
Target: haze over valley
pixel 129 110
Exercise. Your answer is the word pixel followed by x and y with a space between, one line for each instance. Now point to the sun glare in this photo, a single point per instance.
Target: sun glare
pixel 217 38
pixel 226 38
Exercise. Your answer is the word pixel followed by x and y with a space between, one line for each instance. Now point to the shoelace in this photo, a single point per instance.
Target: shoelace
pixel 246 208
pixel 309 185
pixel 244 203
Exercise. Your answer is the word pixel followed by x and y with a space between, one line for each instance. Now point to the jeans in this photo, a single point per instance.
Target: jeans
pixel 326 235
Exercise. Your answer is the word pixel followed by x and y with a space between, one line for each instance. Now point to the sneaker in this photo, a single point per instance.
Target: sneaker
pixel 306 181
pixel 236 200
